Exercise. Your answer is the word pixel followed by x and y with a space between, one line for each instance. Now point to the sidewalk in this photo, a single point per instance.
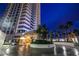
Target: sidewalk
pixel 3 49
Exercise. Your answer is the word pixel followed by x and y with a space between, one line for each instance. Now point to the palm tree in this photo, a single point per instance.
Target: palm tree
pixel 68 26
pixel 44 31
pixel 76 31
pixel 64 35
pixel 65 28
pixel 39 31
pixel 62 27
pixel 57 35
pixel 51 36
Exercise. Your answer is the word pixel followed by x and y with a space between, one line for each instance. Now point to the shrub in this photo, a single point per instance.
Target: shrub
pixel 76 44
pixel 42 42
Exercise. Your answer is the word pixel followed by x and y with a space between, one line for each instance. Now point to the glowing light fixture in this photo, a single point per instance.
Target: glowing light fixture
pixel 8 51
pixel 64 50
pixel 22 38
pixel 76 52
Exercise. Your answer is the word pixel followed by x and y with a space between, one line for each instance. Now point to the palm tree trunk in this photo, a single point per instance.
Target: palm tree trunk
pixel 66 36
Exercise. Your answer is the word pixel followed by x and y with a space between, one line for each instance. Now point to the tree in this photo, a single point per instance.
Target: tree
pixel 65 27
pixel 57 35
pixel 51 36
pixel 42 31
pixel 69 25
pixel 76 31
pixel 39 31
pixel 62 27
pixel 63 34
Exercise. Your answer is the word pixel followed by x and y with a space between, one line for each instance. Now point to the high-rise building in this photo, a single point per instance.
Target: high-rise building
pixel 21 18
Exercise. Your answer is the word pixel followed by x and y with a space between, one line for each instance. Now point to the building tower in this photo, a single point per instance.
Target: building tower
pixel 21 18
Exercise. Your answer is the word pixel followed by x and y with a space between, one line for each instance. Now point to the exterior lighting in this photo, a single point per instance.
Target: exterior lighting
pixel 64 50
pixel 22 38
pixel 62 39
pixel 8 51
pixel 76 39
pixel 76 52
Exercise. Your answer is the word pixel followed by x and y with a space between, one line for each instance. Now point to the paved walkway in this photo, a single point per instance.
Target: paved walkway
pixel 23 51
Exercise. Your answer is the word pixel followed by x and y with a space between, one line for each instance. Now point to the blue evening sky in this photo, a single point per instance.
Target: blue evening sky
pixel 55 14
pixel 3 7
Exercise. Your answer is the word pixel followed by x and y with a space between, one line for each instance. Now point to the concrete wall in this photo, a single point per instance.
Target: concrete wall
pixel 2 38
pixel 52 45
pixel 64 43
pixel 42 45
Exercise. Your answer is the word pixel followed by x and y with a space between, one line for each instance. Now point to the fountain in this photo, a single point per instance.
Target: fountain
pixel 8 50
pixel 55 50
pixel 76 52
pixel 64 50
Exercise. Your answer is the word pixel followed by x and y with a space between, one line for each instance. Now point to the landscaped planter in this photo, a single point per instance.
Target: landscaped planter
pixel 41 45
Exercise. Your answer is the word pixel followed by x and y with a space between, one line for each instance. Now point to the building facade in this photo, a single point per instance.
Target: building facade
pixel 21 18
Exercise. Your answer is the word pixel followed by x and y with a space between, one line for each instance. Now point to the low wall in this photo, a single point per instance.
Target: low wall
pixel 52 45
pixel 41 45
pixel 64 43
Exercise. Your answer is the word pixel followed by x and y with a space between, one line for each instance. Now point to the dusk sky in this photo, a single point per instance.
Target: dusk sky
pixel 3 7
pixel 55 14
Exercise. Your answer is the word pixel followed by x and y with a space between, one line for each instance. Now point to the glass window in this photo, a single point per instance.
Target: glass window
pixel 15 19
pixel 14 12
pixel 7 32
pixel 11 32
pixel 21 31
